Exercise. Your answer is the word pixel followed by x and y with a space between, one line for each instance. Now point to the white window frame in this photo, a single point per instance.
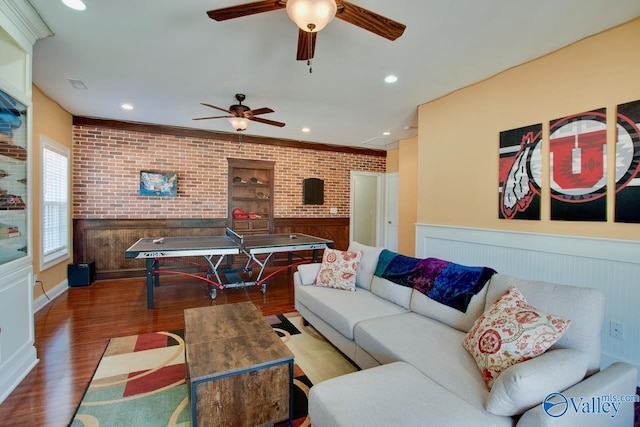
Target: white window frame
pixel 61 253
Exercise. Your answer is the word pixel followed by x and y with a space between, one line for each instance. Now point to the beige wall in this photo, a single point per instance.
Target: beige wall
pixel 404 160
pixel 407 197
pixel 51 120
pixel 458 140
pixel 392 160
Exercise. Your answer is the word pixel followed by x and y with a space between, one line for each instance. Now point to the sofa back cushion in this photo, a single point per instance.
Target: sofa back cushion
pixel 422 304
pixel 367 265
pixel 307 273
pixel 583 306
pixel 390 291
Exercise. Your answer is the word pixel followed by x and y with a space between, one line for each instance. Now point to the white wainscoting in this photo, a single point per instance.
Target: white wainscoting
pixel 607 264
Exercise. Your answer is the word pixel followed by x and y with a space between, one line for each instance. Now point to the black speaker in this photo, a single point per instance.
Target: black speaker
pixel 81 274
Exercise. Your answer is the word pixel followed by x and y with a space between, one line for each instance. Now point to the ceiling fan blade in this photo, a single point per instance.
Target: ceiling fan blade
pixel 370 21
pixel 245 9
pixel 217 108
pixel 264 110
pixel 266 121
pixel 213 117
pixel 306 40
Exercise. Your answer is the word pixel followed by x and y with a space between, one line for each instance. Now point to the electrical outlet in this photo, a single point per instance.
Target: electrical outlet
pixel 616 330
pixel 35 280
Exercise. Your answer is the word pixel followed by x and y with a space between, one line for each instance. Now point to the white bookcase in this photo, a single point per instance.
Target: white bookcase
pixel 20 27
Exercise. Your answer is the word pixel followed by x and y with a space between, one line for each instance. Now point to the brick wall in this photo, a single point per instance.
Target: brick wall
pixel 107 164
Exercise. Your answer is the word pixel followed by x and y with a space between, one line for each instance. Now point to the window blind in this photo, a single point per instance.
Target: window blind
pixel 55 200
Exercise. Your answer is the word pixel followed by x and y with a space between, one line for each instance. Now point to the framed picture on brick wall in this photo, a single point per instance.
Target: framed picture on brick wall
pixel 161 184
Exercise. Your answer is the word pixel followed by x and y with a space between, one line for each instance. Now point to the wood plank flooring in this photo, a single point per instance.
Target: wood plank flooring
pixel 72 331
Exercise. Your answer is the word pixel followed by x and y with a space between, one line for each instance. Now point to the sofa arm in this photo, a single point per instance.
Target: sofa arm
pixel 306 274
pixel 591 401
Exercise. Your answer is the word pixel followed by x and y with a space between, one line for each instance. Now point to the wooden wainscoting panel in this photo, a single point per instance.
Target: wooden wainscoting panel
pixel 105 241
pixel 336 229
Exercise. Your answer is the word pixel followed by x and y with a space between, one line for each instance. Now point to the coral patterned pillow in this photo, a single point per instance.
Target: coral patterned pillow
pixel 509 332
pixel 338 269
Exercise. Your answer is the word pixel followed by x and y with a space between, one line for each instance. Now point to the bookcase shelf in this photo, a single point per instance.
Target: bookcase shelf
pixel 250 196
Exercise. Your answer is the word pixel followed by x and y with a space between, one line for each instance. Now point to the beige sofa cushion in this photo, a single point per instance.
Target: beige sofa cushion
pixel 583 306
pixel 526 384
pixel 390 291
pixel 367 265
pixel 308 273
pixel 396 394
pixel 342 310
pixel 432 347
pixel 422 304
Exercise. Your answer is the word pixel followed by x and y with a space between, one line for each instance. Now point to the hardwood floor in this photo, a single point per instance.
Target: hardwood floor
pixel 72 331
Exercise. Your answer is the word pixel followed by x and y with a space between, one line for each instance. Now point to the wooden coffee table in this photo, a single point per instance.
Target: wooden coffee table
pixel 239 371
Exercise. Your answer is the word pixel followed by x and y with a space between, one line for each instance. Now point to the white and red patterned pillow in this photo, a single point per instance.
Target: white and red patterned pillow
pixel 509 332
pixel 338 269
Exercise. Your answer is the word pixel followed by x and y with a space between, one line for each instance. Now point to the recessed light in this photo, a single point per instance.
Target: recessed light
pixel 306 130
pixel 391 78
pixel 75 4
pixel 386 133
pixel 127 107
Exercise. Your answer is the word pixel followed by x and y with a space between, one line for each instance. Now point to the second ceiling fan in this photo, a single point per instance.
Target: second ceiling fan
pixel 240 114
pixel 312 15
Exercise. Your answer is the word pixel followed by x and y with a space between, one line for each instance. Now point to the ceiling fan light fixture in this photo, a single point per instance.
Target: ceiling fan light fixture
pixel 239 123
pixel 311 15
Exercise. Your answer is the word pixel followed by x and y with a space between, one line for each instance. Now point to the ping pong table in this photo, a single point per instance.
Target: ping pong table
pixel 214 249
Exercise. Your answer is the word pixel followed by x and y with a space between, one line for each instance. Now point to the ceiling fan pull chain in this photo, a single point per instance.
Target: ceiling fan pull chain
pixel 310 47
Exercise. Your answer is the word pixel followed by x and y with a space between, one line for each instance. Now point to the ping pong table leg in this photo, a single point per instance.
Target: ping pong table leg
pixel 156 276
pixel 151 263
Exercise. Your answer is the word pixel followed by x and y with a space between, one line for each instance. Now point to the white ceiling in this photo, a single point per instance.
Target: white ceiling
pixel 165 57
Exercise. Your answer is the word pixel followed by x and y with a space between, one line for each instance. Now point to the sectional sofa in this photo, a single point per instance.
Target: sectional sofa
pixel 416 371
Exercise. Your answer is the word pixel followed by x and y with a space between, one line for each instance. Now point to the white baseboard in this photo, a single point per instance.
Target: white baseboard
pixel 53 293
pixel 18 367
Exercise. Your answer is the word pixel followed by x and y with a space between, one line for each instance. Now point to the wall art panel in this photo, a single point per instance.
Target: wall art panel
pixel 578 146
pixel 627 208
pixel 520 173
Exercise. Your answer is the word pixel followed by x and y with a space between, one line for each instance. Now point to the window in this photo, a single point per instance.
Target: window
pixel 54 246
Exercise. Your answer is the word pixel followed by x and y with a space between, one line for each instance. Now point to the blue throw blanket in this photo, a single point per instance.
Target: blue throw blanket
pixel 448 283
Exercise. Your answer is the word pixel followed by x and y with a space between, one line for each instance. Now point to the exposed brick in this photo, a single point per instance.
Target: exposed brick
pixel 107 165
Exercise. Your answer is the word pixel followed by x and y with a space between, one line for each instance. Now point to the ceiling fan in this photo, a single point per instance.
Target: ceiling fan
pixel 312 15
pixel 241 114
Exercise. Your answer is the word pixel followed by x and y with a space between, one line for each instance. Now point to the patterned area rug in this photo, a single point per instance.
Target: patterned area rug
pixel 140 379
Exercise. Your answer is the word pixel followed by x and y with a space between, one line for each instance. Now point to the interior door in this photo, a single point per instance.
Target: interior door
pixel 391 212
pixel 366 208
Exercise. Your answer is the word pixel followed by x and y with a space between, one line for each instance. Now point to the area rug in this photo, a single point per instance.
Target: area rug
pixel 140 379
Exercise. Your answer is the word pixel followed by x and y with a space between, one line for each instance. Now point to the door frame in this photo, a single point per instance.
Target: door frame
pixel 380 212
pixel 387 208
